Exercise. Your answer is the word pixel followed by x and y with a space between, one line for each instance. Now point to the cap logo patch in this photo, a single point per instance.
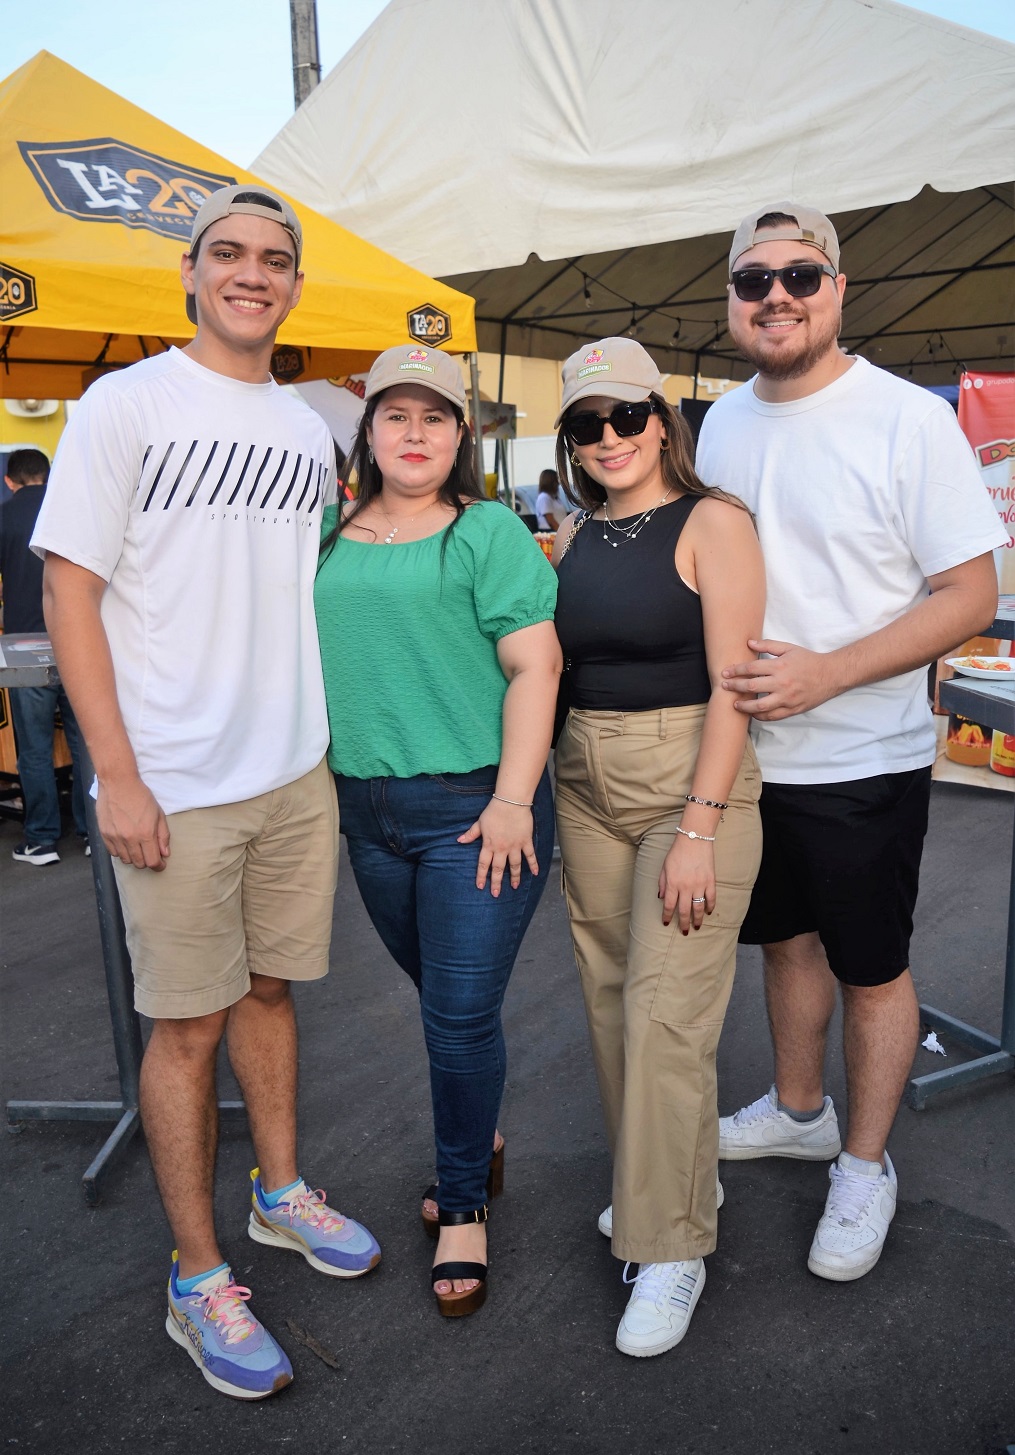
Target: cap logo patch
pixel 105 180
pixel 593 356
pixel 594 369
pixel 418 368
pixel 418 356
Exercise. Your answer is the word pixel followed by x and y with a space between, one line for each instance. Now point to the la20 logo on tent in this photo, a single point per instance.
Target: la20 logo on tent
pixel 104 180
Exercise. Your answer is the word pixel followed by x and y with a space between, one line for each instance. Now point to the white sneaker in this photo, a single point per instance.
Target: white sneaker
pixel 606 1216
pixel 762 1130
pixel 854 1225
pixel 659 1310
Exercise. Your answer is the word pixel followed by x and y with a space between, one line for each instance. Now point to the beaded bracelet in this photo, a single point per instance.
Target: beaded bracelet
pixel 707 803
pixel 513 801
pixel 690 834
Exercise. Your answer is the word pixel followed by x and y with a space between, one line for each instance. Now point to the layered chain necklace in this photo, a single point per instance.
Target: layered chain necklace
pixel 633 531
pixel 395 528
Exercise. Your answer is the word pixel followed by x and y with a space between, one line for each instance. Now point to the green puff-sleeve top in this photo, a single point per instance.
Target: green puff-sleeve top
pixel 409 644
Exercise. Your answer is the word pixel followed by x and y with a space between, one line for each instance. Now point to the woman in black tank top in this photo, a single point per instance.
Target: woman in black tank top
pixel 660 584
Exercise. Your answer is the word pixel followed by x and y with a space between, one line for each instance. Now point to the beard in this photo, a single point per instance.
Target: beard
pixel 780 363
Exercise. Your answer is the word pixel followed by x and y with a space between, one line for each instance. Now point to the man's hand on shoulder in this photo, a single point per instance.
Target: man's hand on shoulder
pixel 133 826
pixel 791 679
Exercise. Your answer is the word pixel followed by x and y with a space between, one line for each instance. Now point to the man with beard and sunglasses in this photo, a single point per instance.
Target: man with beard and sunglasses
pixel 877 534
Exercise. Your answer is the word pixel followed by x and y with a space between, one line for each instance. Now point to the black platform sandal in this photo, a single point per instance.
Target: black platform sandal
pixel 456 1305
pixel 494 1188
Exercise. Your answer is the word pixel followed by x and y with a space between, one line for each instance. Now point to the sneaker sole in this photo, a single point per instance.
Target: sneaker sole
pixel 840 1274
pixel 826 1153
pixel 234 1391
pixel 675 1339
pixel 606 1223
pixel 275 1238
pixel 34 859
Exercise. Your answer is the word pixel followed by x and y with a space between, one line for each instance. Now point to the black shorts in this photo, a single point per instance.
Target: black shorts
pixel 843 859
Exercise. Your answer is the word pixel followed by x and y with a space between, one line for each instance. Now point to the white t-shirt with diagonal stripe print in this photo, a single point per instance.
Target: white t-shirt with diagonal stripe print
pixel 198 498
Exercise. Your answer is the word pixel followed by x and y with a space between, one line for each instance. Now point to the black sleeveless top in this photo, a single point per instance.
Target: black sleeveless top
pixel 630 628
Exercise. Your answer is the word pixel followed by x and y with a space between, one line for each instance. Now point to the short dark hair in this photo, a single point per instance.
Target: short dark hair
pixel 549 481
pixel 776 219
pixel 26 466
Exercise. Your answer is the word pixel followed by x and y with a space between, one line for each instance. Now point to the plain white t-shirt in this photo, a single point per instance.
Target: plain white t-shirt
pixel 861 491
pixel 550 504
pixel 198 498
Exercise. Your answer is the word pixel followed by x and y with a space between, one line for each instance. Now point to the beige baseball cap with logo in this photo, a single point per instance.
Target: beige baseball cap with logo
pixel 618 368
pixel 414 364
pixel 811 227
pixel 252 201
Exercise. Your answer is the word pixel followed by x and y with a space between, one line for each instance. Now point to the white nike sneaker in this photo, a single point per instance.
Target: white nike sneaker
pixel 854 1225
pixel 606 1216
pixel 659 1310
pixel 762 1130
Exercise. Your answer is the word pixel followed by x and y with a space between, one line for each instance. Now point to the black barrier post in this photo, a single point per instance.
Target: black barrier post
pixel 124 1019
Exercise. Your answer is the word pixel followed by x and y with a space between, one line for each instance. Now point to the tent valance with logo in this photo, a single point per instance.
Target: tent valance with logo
pixel 98 200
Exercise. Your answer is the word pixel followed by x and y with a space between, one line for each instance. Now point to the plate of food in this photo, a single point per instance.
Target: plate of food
pixel 988 669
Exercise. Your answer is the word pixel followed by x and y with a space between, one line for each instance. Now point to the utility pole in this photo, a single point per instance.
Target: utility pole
pixel 306 54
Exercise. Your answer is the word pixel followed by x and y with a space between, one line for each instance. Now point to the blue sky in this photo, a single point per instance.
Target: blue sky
pixel 221 71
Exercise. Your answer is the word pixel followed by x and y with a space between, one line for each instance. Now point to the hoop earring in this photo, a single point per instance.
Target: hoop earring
pixel 575 460
pixel 370 454
pixel 664 446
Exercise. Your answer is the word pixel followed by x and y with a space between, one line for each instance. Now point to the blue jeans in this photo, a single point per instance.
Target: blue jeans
pixel 33 710
pixel 455 942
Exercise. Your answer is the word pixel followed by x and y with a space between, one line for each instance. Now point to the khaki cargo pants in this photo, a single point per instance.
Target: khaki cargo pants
pixel 655 999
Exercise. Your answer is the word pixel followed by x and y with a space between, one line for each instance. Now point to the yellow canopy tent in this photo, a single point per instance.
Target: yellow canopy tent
pixel 98 200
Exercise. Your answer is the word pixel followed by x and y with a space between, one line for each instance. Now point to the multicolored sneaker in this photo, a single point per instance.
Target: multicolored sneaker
pixel 235 1353
pixel 303 1222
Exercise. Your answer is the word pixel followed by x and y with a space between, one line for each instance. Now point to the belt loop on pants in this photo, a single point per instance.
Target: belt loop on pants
pixel 662 723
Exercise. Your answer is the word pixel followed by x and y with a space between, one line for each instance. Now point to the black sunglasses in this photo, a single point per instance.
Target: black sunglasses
pixel 800 280
pixel 586 427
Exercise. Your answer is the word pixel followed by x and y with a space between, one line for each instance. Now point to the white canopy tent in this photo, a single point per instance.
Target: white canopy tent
pixel 579 165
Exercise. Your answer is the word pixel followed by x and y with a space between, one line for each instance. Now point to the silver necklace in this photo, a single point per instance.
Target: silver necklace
pixel 633 531
pixel 395 529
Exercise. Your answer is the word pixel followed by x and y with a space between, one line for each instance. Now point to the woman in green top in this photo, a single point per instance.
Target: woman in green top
pixel 435 611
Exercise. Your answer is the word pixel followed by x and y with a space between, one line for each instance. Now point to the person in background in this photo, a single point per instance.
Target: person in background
pixel 877 533
pixel 551 507
pixel 34 709
pixel 660 578
pixel 180 536
pixel 435 613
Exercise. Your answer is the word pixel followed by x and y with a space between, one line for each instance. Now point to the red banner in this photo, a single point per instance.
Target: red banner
pixel 987 417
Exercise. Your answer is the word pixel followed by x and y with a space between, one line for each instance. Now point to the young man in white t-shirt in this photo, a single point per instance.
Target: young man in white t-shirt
pixel 877 534
pixel 180 533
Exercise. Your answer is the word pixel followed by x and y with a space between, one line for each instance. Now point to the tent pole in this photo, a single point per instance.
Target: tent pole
pixel 477 421
pixel 502 451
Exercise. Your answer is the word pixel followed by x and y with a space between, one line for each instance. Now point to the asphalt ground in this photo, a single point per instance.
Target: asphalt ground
pixel 917 1358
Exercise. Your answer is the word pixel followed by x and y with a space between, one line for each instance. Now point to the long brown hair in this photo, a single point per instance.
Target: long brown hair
pixel 460 489
pixel 676 461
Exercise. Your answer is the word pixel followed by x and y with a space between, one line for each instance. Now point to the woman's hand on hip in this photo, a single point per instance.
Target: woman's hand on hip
pixel 506 832
pixel 687 883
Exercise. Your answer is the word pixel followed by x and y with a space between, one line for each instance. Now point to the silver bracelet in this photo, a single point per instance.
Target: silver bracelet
pixel 690 834
pixel 513 801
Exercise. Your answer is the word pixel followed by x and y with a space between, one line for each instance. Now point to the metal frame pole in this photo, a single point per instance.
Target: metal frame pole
pixel 477 420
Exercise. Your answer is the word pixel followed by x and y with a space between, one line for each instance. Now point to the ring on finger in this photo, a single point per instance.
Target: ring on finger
pixel 697 901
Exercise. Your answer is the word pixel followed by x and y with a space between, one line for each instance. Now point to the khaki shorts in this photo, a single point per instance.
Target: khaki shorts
pixel 248 889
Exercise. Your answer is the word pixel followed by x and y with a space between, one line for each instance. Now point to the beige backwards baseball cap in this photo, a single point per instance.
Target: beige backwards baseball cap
pixel 413 364
pixel 245 198
pixel 617 367
pixel 811 227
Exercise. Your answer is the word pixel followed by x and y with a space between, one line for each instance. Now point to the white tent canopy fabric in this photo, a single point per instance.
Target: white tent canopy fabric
pixel 614 139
